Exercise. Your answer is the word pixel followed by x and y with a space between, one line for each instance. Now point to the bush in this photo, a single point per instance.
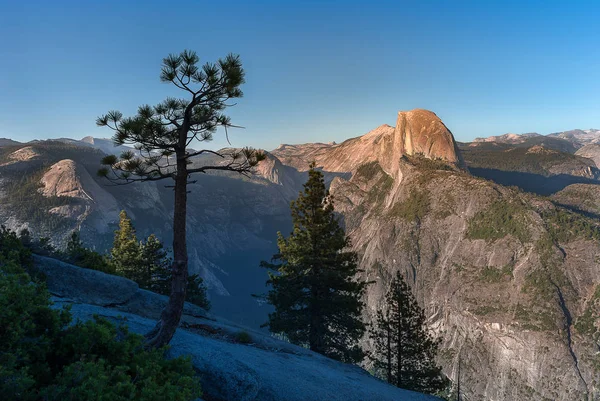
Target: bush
pixel 45 357
pixel 79 255
pixel 243 337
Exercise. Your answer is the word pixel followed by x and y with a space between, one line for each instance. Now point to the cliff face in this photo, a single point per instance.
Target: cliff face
pixel 591 151
pixel 62 180
pixel 421 132
pixel 232 223
pixel 512 303
pixel 507 279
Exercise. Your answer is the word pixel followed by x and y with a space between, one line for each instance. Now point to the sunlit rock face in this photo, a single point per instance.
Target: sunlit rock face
pixel 421 132
pixel 62 180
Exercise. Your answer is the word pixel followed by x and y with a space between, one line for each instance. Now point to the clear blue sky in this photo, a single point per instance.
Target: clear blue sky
pixel 316 71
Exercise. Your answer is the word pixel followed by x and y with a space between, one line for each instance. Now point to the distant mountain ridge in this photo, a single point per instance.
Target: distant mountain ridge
pixel 577 137
pixel 105 145
pixel 8 142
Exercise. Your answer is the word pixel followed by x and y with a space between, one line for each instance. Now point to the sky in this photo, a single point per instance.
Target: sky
pixel 316 71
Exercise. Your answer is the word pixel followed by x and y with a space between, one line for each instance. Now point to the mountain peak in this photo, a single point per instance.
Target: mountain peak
pixel 421 132
pixel 417 132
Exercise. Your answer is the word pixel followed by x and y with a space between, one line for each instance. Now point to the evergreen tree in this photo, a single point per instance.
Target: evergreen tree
pixel 76 253
pixel 404 350
pixel 196 292
pixel 163 135
pixel 126 253
pixel 318 301
pixel 156 264
pixel 148 264
pixel 157 276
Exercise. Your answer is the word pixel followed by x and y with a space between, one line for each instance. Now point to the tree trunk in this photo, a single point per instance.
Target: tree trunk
pixel 169 319
pixel 314 331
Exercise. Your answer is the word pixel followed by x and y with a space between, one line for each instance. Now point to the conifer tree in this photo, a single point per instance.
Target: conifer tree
pixel 77 254
pixel 156 275
pixel 196 292
pixel 126 253
pixel 156 262
pixel 318 302
pixel 404 350
pixel 163 136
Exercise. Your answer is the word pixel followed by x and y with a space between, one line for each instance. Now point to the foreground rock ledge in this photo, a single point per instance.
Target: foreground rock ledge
pixel 265 370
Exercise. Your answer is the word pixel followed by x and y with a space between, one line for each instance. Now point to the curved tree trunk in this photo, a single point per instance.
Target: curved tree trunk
pixel 169 319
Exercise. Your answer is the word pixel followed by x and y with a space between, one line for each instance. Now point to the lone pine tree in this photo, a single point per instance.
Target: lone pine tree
pixel 318 302
pixel 162 136
pixel 404 351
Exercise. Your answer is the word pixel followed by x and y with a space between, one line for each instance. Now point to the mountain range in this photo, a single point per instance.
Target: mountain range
pixel 499 238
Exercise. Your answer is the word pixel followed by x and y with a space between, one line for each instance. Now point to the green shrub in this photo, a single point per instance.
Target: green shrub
pixel 500 219
pixel 45 357
pixel 586 322
pixel 78 255
pixel 426 164
pixel 369 170
pixel 243 337
pixel 380 188
pixel 12 250
pixel 110 361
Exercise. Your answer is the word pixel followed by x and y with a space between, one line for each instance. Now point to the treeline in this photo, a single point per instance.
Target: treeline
pixel 519 159
pixel 146 262
pixel 318 300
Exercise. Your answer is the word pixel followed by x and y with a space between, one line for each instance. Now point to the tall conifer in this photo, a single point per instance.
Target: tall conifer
pixel 317 298
pixel 404 350
pixel 125 254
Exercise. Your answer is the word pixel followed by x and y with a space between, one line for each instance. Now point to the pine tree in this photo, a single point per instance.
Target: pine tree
pixel 196 292
pixel 155 273
pixel 156 263
pixel 404 351
pixel 126 251
pixel 318 301
pixel 77 254
pixel 162 136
